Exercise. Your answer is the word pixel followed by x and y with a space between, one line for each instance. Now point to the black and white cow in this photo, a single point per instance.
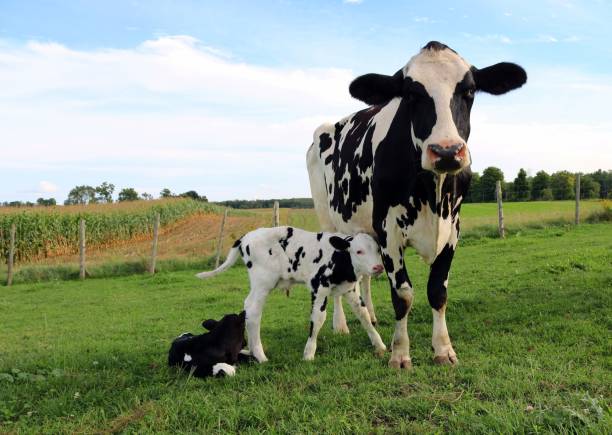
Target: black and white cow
pixel 399 169
pixel 329 264
pixel 213 353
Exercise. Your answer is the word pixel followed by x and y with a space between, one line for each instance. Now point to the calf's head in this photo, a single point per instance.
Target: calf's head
pixel 437 88
pixel 364 252
pixel 229 330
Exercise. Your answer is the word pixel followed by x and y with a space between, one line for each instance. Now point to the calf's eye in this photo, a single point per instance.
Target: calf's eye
pixel 360 252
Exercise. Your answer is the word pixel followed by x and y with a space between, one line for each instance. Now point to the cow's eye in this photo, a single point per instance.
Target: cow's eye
pixel 468 93
pixel 360 252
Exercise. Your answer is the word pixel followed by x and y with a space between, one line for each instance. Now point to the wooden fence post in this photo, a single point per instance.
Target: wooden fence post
pixel 220 239
pixel 154 246
pixel 276 214
pixel 11 256
pixel 500 211
pixel 577 219
pixel 82 248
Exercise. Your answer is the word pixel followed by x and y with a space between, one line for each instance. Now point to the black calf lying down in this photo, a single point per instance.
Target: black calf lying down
pixel 213 353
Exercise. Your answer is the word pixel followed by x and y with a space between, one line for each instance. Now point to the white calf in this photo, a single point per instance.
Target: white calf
pixel 328 263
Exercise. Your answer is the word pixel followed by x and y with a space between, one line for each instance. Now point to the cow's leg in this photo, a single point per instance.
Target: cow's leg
pixel 401 296
pixel 361 312
pixel 366 294
pixel 253 305
pixel 436 293
pixel 317 317
pixel 339 320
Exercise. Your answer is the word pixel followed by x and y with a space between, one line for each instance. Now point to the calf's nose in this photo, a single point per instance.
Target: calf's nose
pixel 378 268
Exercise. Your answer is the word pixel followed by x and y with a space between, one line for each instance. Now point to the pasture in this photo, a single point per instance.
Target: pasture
pixel 529 317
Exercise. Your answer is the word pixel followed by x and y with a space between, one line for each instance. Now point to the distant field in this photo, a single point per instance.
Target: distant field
pixel 194 236
pixel 44 232
pixel 529 317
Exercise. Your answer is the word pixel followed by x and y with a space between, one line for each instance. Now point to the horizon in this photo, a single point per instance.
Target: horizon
pixel 224 99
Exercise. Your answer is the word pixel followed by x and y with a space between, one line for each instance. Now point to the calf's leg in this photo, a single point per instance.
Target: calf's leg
pixel 361 312
pixel 366 294
pixel 253 305
pixel 339 320
pixel 317 318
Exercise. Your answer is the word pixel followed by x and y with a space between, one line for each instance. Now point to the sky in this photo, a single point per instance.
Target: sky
pixel 223 97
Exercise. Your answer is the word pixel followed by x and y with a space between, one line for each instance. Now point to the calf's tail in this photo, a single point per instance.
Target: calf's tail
pixel 232 256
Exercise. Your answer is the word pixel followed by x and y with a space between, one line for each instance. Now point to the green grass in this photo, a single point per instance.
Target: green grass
pixel 529 317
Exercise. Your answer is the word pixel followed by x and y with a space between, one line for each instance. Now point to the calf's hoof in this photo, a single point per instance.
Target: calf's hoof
pixel 380 351
pixel 446 360
pixel 342 330
pixel 308 357
pixel 403 362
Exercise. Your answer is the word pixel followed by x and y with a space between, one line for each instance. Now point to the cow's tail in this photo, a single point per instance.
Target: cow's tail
pixel 232 256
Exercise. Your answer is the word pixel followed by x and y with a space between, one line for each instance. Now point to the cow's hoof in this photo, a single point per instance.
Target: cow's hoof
pixel 446 360
pixel 401 363
pixel 342 330
pixel 380 352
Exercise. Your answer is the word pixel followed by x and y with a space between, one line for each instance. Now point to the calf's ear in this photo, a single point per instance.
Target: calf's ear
pixel 210 324
pixel 242 315
pixel 377 88
pixel 339 243
pixel 499 78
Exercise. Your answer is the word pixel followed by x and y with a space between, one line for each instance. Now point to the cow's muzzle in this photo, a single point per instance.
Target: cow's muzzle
pixel 447 158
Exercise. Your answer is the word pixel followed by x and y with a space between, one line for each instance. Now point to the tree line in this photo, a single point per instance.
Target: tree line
pixel 104 194
pixel 542 186
pixel 269 203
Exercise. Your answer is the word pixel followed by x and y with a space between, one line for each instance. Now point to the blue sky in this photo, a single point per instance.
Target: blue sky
pixel 222 97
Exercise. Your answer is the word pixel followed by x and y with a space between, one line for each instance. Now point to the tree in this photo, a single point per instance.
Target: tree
pixel 474 194
pixel 489 178
pixel 46 202
pixel 146 196
pixel 193 195
pixel 105 192
pixel 521 186
pixel 604 178
pixel 128 194
pixel 546 194
pixel 81 195
pixel 508 191
pixel 540 182
pixel 589 188
pixel 165 193
pixel 562 185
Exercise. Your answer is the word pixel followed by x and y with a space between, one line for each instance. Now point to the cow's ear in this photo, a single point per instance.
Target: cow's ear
pixel 499 78
pixel 210 324
pixel 339 243
pixel 377 88
pixel 242 315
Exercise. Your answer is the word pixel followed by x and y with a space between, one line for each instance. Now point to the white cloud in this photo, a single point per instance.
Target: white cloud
pixel 173 109
pixel 352 2
pixel 47 187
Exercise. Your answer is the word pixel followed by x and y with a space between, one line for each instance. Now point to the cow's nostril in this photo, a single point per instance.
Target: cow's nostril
pixel 455 150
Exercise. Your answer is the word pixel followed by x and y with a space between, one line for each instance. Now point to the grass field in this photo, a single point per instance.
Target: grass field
pixel 529 317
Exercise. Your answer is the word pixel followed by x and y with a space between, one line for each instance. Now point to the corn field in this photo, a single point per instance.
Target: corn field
pixel 44 232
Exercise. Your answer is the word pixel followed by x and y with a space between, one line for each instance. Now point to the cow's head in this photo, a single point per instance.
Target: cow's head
pixel 437 87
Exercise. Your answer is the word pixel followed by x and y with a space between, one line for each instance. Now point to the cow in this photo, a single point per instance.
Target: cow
pixel 399 169
pixel 329 264
pixel 213 353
